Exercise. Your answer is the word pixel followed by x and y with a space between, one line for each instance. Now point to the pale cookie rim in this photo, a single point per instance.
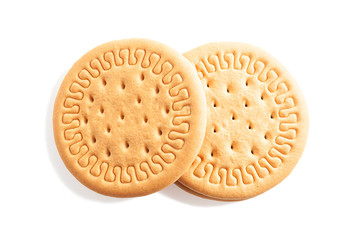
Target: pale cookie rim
pixel 217 191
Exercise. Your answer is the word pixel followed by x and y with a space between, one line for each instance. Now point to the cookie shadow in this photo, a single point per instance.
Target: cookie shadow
pixel 184 195
pixel 59 167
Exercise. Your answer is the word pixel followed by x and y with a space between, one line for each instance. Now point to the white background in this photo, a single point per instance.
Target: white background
pixel 319 43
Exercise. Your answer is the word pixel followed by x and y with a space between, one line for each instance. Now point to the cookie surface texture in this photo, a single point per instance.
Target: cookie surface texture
pixel 129 117
pixel 257 122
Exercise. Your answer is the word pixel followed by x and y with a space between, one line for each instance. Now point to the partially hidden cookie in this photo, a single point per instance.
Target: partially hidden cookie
pixel 257 122
pixel 129 117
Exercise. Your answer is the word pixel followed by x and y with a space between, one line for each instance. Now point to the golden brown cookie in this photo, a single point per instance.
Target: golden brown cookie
pixel 257 122
pixel 129 117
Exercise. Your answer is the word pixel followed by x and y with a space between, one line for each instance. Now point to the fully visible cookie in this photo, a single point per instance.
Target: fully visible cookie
pixel 257 122
pixel 129 117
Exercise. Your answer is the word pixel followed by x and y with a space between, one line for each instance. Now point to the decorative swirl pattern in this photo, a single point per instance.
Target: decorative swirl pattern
pixel 250 171
pixel 75 120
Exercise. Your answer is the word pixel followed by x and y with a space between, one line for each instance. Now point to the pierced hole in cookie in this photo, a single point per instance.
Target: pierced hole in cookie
pixel 246 83
pixel 211 154
pixel 167 110
pixel 262 97
pixel 232 146
pixel 108 153
pixel 160 132
pixel 102 109
pixel 86 120
pixel 142 77
pixel 214 129
pixel 157 90
pixel 138 100
pixel 146 119
pixel 93 139
pixel 127 145
pixel 147 149
pixel 108 129
pixel 207 85
pixel 122 116
pixel 249 126
pixel 227 90
pixel 252 151
pixel 214 104
pixel 104 82
pixel 122 85
pixel 271 116
pixel 246 104
pixel 265 136
pixel 92 98
pixel 233 117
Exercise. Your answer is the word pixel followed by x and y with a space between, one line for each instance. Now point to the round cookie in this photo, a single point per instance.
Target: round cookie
pixel 257 122
pixel 129 117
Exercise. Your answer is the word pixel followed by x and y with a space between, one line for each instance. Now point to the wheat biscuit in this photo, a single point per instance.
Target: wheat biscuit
pixel 129 117
pixel 257 122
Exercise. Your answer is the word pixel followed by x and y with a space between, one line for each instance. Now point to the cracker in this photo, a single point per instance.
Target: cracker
pixel 129 117
pixel 257 122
